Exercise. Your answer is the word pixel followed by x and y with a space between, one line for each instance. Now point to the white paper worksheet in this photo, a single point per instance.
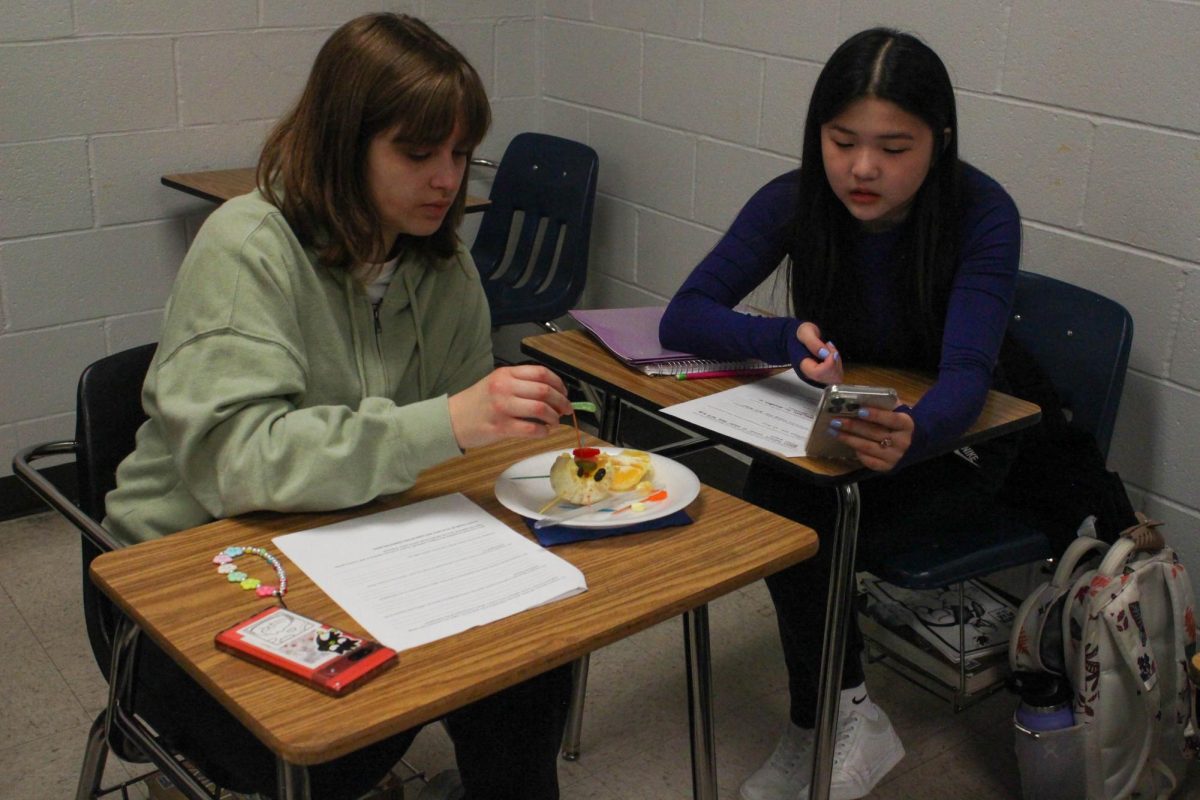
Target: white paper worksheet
pixel 428 570
pixel 776 413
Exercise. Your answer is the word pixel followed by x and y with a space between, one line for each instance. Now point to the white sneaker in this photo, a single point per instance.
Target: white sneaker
pixel 787 772
pixel 446 785
pixel 867 748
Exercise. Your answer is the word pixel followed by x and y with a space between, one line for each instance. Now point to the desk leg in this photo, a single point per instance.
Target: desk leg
pixel 574 731
pixel 610 418
pixel 292 780
pixel 700 719
pixel 837 620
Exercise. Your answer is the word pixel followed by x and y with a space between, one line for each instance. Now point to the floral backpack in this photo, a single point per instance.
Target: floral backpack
pixel 1122 633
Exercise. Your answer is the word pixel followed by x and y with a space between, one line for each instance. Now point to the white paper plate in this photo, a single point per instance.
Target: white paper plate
pixel 525 497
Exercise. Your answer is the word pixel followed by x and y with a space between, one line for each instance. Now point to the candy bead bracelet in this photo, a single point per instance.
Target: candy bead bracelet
pixel 226 567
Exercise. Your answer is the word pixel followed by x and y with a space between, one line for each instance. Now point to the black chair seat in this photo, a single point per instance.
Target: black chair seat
pixel 962 554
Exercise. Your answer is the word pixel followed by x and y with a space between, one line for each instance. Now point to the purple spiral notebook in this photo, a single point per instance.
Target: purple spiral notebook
pixel 632 336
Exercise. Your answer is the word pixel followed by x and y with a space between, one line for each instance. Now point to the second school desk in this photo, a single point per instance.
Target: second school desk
pixel 218 185
pixel 577 354
pixel 168 588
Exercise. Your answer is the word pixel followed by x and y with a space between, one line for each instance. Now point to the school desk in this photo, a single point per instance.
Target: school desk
pixel 168 589
pixel 577 354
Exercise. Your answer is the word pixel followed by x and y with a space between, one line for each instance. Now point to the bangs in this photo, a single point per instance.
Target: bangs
pixel 427 113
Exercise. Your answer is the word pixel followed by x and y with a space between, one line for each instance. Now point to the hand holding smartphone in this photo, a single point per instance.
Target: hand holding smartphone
pixel 306 650
pixel 844 400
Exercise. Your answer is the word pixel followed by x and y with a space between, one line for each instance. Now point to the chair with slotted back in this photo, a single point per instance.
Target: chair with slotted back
pixel 1081 341
pixel 532 245
pixel 108 414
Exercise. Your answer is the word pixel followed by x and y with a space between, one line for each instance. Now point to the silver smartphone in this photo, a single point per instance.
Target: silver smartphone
pixel 844 400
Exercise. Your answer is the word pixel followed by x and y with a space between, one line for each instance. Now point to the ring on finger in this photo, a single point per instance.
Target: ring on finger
pixel 885 442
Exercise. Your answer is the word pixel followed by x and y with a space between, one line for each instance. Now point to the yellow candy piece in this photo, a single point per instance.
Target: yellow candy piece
pixel 626 476
pixel 250 583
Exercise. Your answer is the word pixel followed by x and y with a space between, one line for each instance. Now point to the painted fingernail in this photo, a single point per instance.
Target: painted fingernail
pixel 831 431
pixel 863 413
pixel 837 423
pixel 837 356
pixel 823 353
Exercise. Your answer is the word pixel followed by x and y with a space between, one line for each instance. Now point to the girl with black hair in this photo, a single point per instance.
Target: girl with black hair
pixel 904 256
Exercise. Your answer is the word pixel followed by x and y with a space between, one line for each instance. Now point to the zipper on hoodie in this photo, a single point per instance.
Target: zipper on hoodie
pixel 383 372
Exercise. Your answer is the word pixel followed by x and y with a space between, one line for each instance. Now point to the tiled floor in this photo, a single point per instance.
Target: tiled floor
pixel 635 732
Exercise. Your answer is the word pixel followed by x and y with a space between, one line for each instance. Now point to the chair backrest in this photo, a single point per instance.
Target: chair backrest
pixel 532 246
pixel 1081 340
pixel 108 412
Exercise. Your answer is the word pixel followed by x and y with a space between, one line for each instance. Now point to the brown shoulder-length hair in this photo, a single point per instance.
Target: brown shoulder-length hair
pixel 375 73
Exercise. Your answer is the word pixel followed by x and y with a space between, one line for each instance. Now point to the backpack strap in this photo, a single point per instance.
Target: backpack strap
pixel 1121 608
pixel 1039 608
pixel 1079 549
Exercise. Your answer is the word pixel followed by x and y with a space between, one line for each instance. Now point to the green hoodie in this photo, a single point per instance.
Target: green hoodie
pixel 276 387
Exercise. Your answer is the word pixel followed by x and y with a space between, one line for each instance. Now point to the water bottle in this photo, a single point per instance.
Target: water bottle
pixel 1045 704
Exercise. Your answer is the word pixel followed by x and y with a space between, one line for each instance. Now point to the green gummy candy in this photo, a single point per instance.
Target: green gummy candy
pixel 583 405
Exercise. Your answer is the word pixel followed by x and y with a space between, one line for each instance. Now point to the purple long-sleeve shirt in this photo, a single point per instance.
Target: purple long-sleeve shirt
pixel 700 318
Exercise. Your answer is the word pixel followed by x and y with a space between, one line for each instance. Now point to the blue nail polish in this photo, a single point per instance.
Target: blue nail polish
pixel 863 413
pixel 837 423
pixel 823 353
pixel 831 432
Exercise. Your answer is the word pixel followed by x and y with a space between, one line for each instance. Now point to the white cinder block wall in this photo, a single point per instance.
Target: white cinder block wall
pixel 1087 111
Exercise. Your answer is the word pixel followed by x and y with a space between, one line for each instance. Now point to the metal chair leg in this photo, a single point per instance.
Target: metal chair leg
pixel 960 695
pixel 95 754
pixel 571 736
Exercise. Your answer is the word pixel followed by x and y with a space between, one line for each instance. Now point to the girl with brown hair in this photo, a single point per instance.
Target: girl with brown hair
pixel 327 339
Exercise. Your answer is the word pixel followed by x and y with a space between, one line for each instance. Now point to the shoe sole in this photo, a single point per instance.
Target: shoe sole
pixel 878 774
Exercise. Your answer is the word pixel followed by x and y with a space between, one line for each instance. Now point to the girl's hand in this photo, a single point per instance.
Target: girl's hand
pixel 825 364
pixel 523 402
pixel 880 438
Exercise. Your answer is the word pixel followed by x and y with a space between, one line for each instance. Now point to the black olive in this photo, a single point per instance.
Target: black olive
pixel 599 476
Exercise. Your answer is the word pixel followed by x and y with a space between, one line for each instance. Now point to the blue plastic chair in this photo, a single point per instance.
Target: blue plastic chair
pixel 532 245
pixel 1081 340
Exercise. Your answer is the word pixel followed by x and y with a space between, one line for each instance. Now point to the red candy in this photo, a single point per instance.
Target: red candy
pixel 585 452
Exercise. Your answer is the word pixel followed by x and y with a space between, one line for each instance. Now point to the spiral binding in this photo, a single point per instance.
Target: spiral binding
pixel 690 365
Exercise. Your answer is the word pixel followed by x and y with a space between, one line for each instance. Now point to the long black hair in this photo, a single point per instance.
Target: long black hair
pixel 897 67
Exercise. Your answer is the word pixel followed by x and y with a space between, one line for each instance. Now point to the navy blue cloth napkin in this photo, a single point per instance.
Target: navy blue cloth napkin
pixel 564 534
